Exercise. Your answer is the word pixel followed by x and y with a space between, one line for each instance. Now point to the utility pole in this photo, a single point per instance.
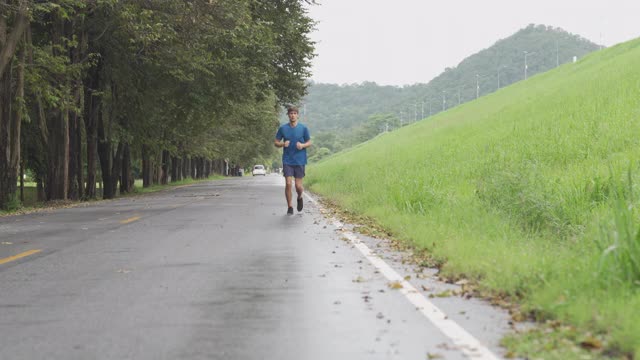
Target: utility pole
pixel 601 40
pixel 526 66
pixel 415 111
pixel 477 86
pixel 557 54
pixel 444 101
pixel 430 101
pixel 422 104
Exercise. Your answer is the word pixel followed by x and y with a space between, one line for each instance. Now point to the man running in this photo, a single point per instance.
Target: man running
pixel 294 138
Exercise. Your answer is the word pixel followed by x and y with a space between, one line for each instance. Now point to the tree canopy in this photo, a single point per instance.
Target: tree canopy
pixel 177 87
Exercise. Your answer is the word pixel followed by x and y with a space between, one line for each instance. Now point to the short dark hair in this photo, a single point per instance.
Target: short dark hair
pixel 292 109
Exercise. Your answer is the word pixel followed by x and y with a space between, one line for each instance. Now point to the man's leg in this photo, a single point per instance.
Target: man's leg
pixel 288 178
pixel 287 193
pixel 288 188
pixel 299 190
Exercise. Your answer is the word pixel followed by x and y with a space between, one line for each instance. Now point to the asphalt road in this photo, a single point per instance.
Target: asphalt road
pixel 218 270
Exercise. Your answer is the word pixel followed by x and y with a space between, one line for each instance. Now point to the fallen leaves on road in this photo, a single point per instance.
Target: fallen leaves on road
pixel 395 285
pixel 446 293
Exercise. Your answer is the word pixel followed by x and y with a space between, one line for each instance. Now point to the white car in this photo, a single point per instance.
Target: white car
pixel 259 170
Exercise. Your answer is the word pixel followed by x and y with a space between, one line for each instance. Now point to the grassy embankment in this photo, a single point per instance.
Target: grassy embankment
pixel 533 191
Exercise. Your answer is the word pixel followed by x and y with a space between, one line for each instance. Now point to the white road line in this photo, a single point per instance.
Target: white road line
pixel 468 344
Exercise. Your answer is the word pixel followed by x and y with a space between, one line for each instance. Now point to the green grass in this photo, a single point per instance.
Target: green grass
pixel 523 190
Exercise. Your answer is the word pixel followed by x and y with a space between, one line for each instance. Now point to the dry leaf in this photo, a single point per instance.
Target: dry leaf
pixel 591 343
pixel 395 285
pixel 446 293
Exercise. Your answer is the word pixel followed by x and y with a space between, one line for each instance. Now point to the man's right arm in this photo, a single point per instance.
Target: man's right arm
pixel 279 141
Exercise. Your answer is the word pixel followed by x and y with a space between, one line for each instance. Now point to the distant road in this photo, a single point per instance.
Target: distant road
pixel 215 270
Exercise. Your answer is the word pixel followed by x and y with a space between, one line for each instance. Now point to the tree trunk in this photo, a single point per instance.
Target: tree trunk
pixel 58 179
pixel 92 111
pixel 22 180
pixel 157 173
pixel 40 191
pixel 104 154
pixel 8 174
pixel 147 167
pixel 58 126
pixel 34 134
pixel 176 169
pixel 92 103
pixel 201 171
pixel 126 180
pixel 111 165
pixel 185 166
pixel 116 171
pixel 207 168
pixel 192 167
pixel 9 42
pixel 164 179
pixel 76 181
pixel 75 157
pixel 10 117
pixel 16 158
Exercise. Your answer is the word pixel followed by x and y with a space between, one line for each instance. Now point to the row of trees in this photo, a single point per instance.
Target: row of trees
pixel 88 87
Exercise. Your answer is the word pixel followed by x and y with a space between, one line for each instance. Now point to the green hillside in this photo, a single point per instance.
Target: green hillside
pixel 533 191
pixel 339 115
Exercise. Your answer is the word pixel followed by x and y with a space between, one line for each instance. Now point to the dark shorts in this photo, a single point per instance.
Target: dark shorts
pixel 297 171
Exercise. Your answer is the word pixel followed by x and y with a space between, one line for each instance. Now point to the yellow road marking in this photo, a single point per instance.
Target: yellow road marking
pixel 19 256
pixel 130 220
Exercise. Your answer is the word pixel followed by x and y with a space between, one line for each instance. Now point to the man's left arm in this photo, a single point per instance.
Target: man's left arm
pixel 307 140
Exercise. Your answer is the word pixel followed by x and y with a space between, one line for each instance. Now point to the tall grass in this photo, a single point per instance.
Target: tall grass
pixel 519 189
pixel 619 242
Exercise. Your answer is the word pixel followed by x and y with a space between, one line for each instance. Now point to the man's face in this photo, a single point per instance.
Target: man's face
pixel 293 116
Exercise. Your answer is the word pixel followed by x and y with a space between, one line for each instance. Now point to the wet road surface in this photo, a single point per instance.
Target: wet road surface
pixel 216 270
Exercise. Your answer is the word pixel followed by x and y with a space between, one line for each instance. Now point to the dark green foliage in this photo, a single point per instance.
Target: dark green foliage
pixel 194 80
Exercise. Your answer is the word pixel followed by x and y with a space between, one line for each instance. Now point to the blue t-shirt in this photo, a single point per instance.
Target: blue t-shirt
pixel 291 155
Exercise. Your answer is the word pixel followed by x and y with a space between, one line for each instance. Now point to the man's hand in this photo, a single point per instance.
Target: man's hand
pixel 299 145
pixel 286 143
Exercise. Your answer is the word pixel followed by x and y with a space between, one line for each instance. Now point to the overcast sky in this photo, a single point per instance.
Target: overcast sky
pixel 401 42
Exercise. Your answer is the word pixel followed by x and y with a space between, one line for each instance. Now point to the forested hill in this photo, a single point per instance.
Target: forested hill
pixel 357 109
